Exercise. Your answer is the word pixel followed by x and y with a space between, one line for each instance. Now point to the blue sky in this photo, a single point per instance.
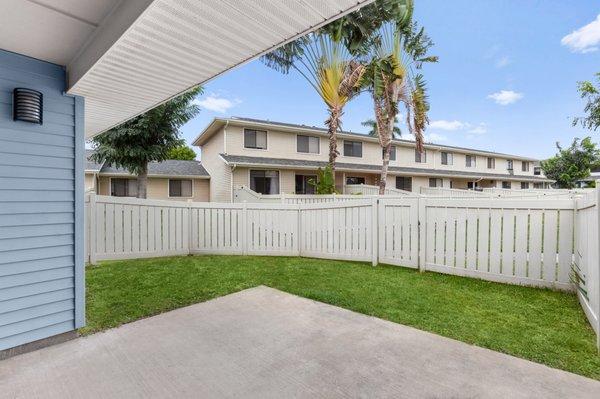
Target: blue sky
pixel 505 81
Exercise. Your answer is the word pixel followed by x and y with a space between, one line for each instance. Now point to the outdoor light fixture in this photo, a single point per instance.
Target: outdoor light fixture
pixel 28 105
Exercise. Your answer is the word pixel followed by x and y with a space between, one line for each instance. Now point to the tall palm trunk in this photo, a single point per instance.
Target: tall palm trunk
pixel 333 124
pixel 384 168
pixel 142 183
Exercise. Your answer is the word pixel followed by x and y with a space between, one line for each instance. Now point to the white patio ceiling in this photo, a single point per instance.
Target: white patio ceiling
pixel 127 56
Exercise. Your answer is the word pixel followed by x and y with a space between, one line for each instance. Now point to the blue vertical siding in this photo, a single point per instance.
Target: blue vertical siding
pixel 41 202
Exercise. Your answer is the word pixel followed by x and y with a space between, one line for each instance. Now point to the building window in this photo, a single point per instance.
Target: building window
pixel 491 163
pixel 509 164
pixel 404 183
pixel 525 166
pixel 420 157
pixel 473 185
pixel 470 161
pixel 447 158
pixel 308 144
pixel 352 149
pixel 256 139
pixel 264 181
pixel 180 188
pixel 538 185
pixel 392 153
pixel 123 187
pixel 355 180
pixel 524 185
pixel 506 184
pixel 537 170
pixel 433 182
pixel 303 184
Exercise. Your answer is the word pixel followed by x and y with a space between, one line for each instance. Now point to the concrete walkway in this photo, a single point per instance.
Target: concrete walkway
pixel 263 343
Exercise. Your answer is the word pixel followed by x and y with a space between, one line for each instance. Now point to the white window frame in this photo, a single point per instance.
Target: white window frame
pixel 308 153
pixel 493 162
pixel 352 141
pixel 178 178
pixel 110 179
pixel 251 148
pixel 423 156
pixel 267 170
pixel 473 161
pixel 449 158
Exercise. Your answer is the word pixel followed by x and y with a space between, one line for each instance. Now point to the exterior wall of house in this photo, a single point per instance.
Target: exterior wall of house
pixel 283 145
pixel 90 182
pixel 158 188
pixel 219 171
pixel 41 207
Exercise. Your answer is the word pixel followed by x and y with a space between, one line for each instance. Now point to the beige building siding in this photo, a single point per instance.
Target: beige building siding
pixel 90 181
pixel 220 172
pixel 284 145
pixel 158 188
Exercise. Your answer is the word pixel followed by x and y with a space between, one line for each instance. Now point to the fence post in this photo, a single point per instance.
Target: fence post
pixel 299 230
pixel 189 227
pixel 245 228
pixel 92 230
pixel 598 263
pixel 374 231
pixel 422 228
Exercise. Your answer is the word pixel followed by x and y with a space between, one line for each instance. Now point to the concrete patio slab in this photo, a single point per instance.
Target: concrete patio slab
pixel 263 343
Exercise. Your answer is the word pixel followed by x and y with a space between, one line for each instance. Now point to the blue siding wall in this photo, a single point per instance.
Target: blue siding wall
pixel 41 194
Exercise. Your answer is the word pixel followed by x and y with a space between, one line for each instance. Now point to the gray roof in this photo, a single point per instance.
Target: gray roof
pixel 90 165
pixel 292 125
pixel 165 168
pixel 239 159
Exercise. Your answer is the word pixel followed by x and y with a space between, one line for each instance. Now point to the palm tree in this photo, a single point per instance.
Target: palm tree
pixel 389 77
pixel 329 68
pixel 372 125
pixel 325 58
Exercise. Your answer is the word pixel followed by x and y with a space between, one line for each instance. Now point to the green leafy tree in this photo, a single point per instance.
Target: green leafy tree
pixel 182 153
pixel 146 138
pixel 573 163
pixel 325 183
pixel 591 94
pixel 372 125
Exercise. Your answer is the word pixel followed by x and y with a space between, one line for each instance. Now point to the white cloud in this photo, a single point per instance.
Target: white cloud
pixel 479 129
pixel 433 137
pixel 216 104
pixel 505 97
pixel 585 39
pixel 503 61
pixel 446 125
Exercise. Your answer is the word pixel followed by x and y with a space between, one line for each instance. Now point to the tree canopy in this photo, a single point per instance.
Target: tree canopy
pixel 591 94
pixel 182 153
pixel 573 163
pixel 147 137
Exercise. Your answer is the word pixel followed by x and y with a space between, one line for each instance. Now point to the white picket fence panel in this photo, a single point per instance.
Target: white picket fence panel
pixel 244 194
pixel 366 189
pixel 532 242
pixel 451 192
pixel 506 240
pixel 587 257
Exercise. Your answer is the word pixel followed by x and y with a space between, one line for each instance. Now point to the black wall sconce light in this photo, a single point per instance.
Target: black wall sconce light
pixel 28 105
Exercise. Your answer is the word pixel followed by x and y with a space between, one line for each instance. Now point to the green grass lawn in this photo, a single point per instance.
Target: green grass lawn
pixel 545 326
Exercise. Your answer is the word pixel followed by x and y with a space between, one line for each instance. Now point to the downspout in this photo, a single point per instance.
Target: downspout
pixel 225 137
pixel 231 185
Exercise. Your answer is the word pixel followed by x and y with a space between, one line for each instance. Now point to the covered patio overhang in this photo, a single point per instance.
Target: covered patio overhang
pixel 119 58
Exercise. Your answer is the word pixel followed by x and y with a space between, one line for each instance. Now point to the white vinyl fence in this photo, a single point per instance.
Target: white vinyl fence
pixel 367 189
pixel 244 194
pixel 587 256
pixel 533 242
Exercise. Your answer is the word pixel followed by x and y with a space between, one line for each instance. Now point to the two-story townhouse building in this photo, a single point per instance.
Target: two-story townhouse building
pixel 273 158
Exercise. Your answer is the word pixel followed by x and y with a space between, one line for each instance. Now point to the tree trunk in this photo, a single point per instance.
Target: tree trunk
pixel 333 123
pixel 142 183
pixel 384 168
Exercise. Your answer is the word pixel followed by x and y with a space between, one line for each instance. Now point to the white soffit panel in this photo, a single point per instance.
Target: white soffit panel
pixel 175 44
